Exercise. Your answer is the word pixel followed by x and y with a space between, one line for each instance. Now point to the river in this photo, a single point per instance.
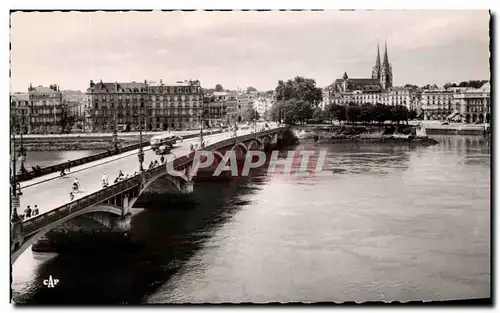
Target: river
pixel 386 223
pixel 49 158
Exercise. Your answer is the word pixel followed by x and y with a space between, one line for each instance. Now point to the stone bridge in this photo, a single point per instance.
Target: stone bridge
pixel 112 204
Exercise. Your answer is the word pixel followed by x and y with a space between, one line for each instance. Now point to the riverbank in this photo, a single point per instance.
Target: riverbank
pixel 400 134
pixel 431 127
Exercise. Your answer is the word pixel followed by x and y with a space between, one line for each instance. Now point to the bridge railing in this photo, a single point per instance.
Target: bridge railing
pixel 33 225
pixel 36 223
pixel 72 163
pixel 185 160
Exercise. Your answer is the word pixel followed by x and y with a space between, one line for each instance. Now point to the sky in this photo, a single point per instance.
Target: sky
pixel 241 49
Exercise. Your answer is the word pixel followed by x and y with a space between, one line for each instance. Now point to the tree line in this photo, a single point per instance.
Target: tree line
pixel 366 113
pixel 468 84
pixel 298 99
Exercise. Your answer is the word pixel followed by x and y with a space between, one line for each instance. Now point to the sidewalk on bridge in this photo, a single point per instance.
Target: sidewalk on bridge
pixel 85 166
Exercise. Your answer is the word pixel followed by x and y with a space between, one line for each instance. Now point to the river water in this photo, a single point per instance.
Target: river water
pixel 386 223
pixel 49 158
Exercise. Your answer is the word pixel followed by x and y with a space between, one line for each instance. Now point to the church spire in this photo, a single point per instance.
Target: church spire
pixel 386 58
pixel 377 62
pixel 377 68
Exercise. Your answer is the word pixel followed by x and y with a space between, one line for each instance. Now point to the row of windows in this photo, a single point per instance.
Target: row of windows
pixel 37 95
pixel 140 97
pixel 159 105
pixel 44 120
pixel 109 113
pixel 170 90
pixel 436 96
pixel 104 121
pixel 174 89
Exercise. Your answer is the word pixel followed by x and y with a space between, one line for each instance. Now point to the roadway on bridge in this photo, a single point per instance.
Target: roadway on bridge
pixel 54 191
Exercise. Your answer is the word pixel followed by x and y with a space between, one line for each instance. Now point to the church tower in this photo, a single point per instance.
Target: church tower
pixel 386 71
pixel 376 69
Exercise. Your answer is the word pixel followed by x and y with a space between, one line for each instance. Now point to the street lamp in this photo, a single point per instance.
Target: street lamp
pixel 201 127
pixel 140 155
pixel 22 150
pixel 115 134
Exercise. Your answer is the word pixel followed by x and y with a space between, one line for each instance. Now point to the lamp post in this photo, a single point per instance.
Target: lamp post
pixel 140 155
pixel 22 150
pixel 201 127
pixel 115 134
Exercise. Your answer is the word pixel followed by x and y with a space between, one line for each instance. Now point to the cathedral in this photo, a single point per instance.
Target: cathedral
pixel 381 79
pixel 383 72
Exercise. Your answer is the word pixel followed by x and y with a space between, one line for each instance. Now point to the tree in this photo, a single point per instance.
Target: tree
pixel 219 87
pixel 381 113
pixel 297 112
pixel 353 112
pixel 449 85
pixel 300 88
pixel 367 111
pixel 411 86
pixel 319 115
pixel 276 111
pixel 399 113
pixel 250 89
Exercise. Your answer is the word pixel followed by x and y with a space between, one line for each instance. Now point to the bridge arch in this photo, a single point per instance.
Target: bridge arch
pixel 106 208
pixel 176 181
pixel 255 143
pixel 241 145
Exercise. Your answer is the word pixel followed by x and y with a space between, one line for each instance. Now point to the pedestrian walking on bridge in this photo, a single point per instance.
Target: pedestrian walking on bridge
pixel 28 211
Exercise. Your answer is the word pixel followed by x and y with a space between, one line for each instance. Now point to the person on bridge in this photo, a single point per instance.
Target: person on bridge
pixel 63 173
pixel 191 147
pixel 71 196
pixel 120 175
pixel 156 163
pixel 76 185
pixel 35 210
pixel 68 165
pixel 28 212
pixel 162 159
pixel 104 181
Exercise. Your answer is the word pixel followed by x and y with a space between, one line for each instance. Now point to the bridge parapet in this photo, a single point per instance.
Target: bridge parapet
pixel 31 226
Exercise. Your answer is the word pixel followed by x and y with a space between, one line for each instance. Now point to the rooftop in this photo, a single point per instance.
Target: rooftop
pixel 42 89
pixel 20 96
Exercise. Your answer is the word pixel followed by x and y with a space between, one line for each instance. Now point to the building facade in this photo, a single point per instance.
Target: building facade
pixel 19 111
pixel 467 105
pixel 215 108
pixel 46 110
pixel 233 109
pixel 154 106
